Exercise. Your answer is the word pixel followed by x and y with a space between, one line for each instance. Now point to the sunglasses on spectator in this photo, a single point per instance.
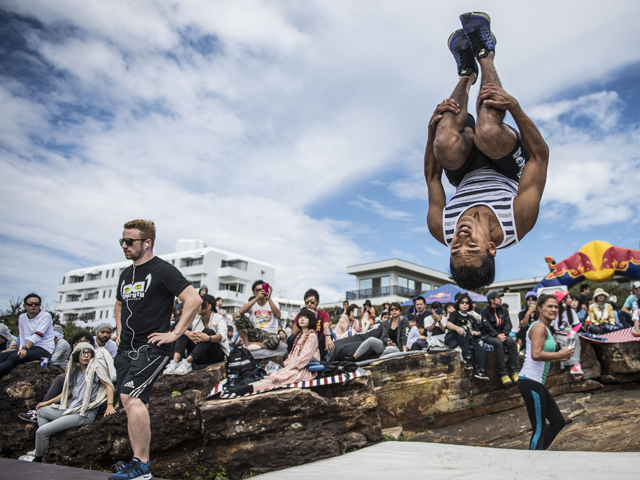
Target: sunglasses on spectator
pixel 86 353
pixel 32 304
pixel 130 241
pixel 394 308
pixel 310 302
pixel 464 303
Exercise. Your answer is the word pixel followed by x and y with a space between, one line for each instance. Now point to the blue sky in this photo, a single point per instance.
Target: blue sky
pixel 292 132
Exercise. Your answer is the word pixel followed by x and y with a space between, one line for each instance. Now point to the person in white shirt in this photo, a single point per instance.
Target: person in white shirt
pixel 206 342
pixel 260 330
pixel 35 334
pixel 414 333
pixel 62 351
pixel 103 339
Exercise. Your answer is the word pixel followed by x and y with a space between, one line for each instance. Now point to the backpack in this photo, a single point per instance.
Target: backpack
pixel 241 363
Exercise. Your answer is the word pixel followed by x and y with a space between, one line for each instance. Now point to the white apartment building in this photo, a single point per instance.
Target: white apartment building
pixel 89 293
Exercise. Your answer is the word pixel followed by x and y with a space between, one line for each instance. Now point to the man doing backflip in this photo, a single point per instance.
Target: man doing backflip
pixel 499 173
pixel 144 303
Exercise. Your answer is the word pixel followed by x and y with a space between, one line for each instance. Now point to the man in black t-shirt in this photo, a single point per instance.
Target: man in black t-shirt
pixel 583 298
pixel 144 303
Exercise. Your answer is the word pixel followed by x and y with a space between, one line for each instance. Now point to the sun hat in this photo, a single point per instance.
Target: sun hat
pixel 600 291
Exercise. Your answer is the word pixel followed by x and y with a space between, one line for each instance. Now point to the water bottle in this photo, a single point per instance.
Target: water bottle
pixel 232 381
pixel 572 338
pixel 350 328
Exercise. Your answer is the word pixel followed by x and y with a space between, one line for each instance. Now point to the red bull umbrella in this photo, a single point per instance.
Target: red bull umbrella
pixel 596 261
pixel 446 293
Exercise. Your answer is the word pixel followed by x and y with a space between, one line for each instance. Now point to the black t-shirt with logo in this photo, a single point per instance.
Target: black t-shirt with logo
pixel 147 301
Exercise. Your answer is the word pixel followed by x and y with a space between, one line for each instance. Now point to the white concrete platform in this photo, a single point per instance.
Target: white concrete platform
pixel 409 460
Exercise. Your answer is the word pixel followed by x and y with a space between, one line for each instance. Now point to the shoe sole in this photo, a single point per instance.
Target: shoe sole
pixel 468 15
pixel 481 377
pixel 146 476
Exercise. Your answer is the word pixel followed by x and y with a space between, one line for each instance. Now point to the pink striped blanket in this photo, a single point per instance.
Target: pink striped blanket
pixel 621 336
pixel 317 382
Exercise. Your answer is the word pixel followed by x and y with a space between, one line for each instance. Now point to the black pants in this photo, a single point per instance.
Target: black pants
pixel 321 346
pixel 9 360
pixel 203 353
pixel 625 319
pixel 499 348
pixel 541 407
pixel 56 387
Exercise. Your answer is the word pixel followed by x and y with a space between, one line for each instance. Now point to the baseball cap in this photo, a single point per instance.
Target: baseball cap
pixel 636 284
pixel 494 294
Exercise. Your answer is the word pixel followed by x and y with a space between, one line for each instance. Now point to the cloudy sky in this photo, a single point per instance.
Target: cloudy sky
pixel 292 132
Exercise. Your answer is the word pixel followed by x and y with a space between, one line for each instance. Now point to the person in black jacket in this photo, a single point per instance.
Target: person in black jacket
pixel 396 330
pixel 463 330
pixel 496 327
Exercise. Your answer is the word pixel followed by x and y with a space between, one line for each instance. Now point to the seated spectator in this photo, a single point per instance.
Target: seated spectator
pixel 630 306
pixel 204 343
pixel 583 303
pixel 287 328
pixel 348 324
pixel 384 316
pixel 345 305
pixel 305 350
pixel 566 320
pixel 636 328
pixel 103 339
pixel 463 331
pixel 323 325
pixel 601 317
pixel 203 290
pixel 434 323
pixel 396 330
pixel 5 338
pixel 35 333
pixel 368 317
pixel 283 336
pixel 421 310
pixel 260 330
pixel 422 331
pixel 363 346
pixel 385 307
pixel 62 350
pixel 496 327
pixel 87 386
pixel 230 336
pixel 412 308
pixel 526 317
pixel 449 308
pixel 414 334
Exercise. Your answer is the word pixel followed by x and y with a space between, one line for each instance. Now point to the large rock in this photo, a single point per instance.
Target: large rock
pixel 620 361
pixel 432 390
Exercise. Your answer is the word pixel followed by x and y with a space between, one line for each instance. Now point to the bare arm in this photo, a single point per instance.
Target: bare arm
pixel 247 306
pixel 110 410
pixel 433 174
pixel 117 312
pixel 534 175
pixel 192 302
pixel 538 334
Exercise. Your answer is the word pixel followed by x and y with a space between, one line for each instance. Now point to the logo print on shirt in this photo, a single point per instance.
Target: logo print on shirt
pixel 263 318
pixel 135 291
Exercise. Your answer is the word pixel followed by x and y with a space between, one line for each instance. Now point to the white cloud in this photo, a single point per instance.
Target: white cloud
pixel 380 209
pixel 433 251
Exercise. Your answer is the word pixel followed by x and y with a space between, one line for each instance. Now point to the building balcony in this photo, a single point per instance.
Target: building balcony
pixel 377 292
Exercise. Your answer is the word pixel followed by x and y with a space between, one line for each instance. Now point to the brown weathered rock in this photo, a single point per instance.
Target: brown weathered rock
pixel 620 361
pixel 202 380
pixel 432 390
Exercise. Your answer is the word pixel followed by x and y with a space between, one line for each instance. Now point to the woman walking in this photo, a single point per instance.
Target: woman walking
pixel 540 353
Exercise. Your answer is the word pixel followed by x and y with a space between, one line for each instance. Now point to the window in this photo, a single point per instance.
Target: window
pixel 239 264
pixel 90 316
pixel 107 274
pixel 92 296
pixel 113 272
pixel 196 284
pixel 73 298
pixel 100 314
pixel 191 262
pixel 109 293
pixel 70 317
pixel 63 279
pixel 173 261
pixel 94 276
pixel 76 279
pixel 233 287
pixel 104 293
pixel 366 283
pixel 384 281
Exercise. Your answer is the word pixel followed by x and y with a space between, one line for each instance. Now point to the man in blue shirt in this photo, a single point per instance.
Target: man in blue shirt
pixel 630 306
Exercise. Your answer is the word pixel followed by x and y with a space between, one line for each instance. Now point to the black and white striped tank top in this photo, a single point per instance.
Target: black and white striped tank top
pixel 487 187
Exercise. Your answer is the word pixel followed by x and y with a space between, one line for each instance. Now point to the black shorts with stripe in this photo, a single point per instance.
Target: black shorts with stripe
pixel 510 166
pixel 137 370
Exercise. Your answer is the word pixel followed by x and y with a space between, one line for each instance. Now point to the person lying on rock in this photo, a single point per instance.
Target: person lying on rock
pixel 205 343
pixel 101 355
pixel 305 350
pixel 86 387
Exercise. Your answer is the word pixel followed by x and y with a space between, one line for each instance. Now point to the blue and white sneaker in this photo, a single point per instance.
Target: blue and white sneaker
pixel 461 49
pixel 134 470
pixel 477 28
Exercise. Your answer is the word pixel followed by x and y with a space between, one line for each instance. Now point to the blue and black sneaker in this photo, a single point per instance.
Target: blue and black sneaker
pixel 134 470
pixel 461 48
pixel 477 28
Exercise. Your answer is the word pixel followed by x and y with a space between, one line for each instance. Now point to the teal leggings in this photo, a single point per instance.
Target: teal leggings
pixel 541 407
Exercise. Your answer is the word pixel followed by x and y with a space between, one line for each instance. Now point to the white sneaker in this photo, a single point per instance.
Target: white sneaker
pixel 171 368
pixel 184 367
pixel 32 453
pixel 253 347
pixel 26 458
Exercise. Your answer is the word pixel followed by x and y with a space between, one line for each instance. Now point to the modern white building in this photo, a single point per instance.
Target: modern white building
pixel 88 294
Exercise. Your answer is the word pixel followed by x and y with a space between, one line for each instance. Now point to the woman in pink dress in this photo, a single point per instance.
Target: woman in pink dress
pixel 347 319
pixel 305 350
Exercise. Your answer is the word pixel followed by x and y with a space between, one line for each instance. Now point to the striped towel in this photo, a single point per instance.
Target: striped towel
pixel 317 382
pixel 621 336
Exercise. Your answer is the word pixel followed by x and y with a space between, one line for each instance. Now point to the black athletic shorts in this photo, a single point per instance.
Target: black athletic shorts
pixel 510 166
pixel 137 370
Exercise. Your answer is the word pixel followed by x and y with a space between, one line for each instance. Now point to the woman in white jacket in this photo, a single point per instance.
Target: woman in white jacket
pixel 86 387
